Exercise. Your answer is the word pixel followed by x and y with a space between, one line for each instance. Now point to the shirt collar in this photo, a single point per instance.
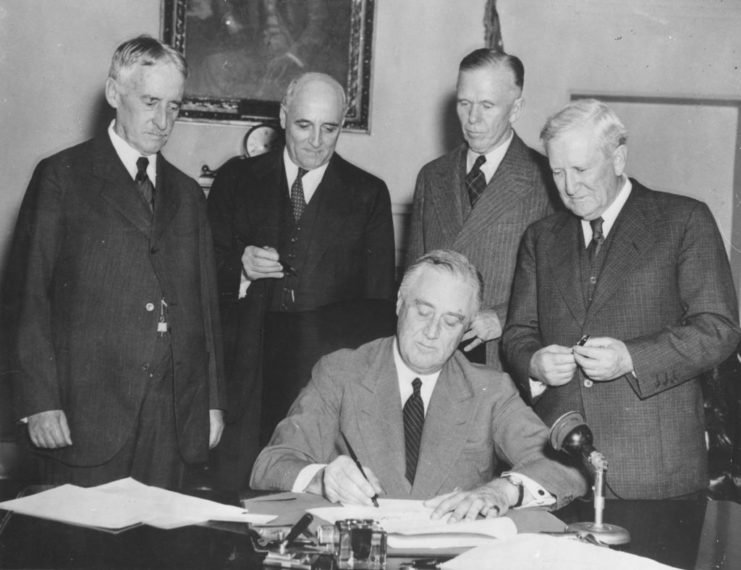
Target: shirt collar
pixel 129 155
pixel 493 158
pixel 406 375
pixel 609 216
pixel 311 179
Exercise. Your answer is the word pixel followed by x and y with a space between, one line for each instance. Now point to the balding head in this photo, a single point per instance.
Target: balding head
pixel 312 113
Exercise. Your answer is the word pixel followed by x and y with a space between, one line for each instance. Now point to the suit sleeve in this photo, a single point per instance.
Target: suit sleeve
pixel 210 303
pixel 306 436
pixel 222 208
pixel 708 330
pixel 416 231
pixel 522 337
pixel 380 265
pixel 34 255
pixel 520 439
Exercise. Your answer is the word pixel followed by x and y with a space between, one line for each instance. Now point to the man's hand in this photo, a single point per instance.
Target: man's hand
pixel 603 358
pixel 484 327
pixel 491 500
pixel 216 421
pixel 342 482
pixel 49 429
pixel 261 263
pixel 554 365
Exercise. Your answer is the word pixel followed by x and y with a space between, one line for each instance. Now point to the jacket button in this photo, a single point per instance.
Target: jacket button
pixel 149 307
pixel 593 280
pixel 588 383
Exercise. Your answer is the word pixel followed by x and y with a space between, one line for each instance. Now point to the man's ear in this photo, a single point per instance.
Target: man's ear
pixel 398 303
pixel 619 159
pixel 282 116
pixel 516 110
pixel 112 92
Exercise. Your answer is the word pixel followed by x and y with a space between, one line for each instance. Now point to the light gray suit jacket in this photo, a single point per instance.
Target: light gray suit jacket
pixel 475 421
pixel 519 193
pixel 666 291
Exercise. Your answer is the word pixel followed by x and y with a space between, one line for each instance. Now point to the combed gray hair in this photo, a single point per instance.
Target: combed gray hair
pixel 587 112
pixel 455 263
pixel 144 50
pixel 304 78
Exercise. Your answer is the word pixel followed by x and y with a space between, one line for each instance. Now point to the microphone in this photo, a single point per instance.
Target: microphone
pixel 571 434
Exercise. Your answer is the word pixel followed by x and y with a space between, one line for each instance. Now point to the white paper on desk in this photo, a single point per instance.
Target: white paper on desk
pixel 542 552
pixel 409 525
pixel 81 506
pixel 125 503
pixel 168 509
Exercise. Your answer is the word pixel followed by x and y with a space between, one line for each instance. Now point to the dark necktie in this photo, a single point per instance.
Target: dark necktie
pixel 598 238
pixel 297 195
pixel 476 181
pixel 143 182
pixel 414 422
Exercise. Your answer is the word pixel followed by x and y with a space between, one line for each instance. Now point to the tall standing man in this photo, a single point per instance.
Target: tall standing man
pixel 118 338
pixel 479 198
pixel 305 251
pixel 645 274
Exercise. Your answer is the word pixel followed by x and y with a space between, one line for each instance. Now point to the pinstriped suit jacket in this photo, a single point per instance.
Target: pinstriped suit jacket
pixel 475 420
pixel 519 193
pixel 666 291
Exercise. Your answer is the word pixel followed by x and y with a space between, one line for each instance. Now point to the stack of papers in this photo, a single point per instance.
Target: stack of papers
pixel 122 504
pixel 409 526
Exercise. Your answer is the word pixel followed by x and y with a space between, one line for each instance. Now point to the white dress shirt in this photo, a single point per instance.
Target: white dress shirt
pixel 493 158
pixel 129 155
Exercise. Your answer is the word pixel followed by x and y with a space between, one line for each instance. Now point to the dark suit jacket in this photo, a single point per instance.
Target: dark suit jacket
pixel 476 421
pixel 350 257
pixel 519 193
pixel 89 269
pixel 666 291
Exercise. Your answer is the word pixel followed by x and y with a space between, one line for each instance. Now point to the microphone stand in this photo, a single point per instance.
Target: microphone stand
pixel 578 442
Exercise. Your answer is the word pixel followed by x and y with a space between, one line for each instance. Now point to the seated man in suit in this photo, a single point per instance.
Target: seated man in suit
pixel 459 423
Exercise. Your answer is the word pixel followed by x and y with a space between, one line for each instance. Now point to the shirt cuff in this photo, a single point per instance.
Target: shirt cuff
pixel 305 476
pixel 538 495
pixel 243 286
pixel 536 387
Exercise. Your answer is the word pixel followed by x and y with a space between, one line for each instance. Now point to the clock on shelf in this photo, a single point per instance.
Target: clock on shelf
pixel 261 138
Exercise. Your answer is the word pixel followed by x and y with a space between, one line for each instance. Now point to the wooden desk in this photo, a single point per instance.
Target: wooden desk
pixel 667 531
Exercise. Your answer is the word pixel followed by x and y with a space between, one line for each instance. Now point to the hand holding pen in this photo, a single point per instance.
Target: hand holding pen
pixel 345 481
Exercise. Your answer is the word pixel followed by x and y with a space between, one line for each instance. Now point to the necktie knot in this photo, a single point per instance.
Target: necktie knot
pixel 416 386
pixel 141 168
pixel 301 172
pixel 479 162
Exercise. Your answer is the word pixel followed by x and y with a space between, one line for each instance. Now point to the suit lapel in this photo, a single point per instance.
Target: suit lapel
pixel 451 408
pixel 505 188
pixel 380 420
pixel 445 195
pixel 336 198
pixel 632 238
pixel 167 198
pixel 562 254
pixel 117 187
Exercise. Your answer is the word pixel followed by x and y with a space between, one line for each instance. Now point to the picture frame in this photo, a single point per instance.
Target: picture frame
pixel 243 53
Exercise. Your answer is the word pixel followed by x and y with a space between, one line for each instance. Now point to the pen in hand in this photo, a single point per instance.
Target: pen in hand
pixel 354 457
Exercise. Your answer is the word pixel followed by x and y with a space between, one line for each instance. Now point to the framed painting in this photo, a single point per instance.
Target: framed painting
pixel 242 54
